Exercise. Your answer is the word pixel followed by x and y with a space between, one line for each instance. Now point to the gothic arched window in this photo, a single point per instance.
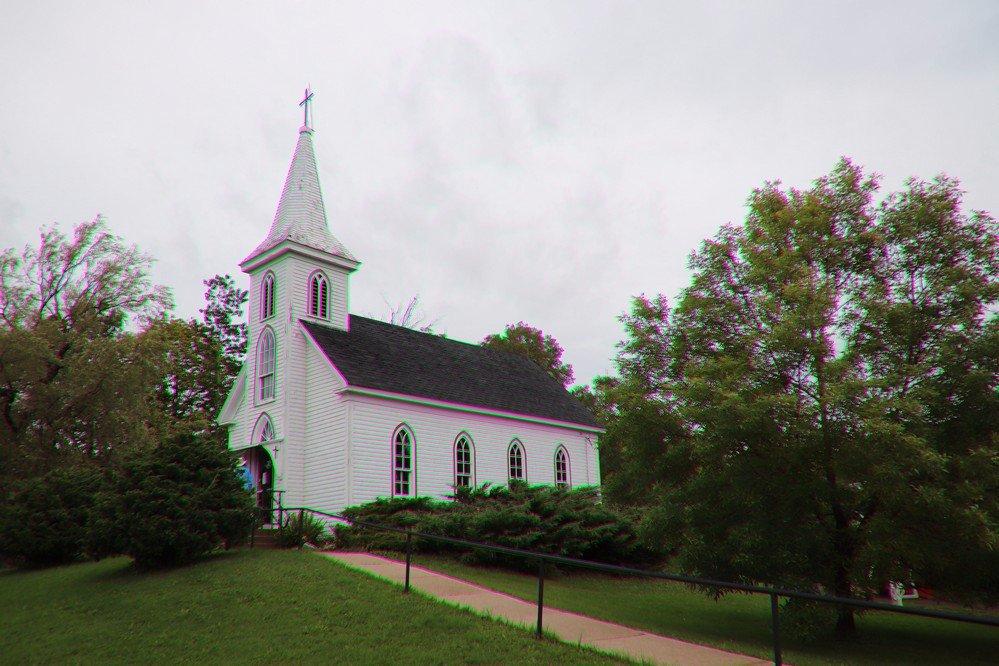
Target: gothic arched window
pixel 561 468
pixel 267 296
pixel 319 296
pixel 464 464
pixel 264 430
pixel 402 463
pixel 266 362
pixel 515 461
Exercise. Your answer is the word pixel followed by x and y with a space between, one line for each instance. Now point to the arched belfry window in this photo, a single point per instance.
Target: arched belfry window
pixel 266 362
pixel 267 296
pixel 464 462
pixel 561 468
pixel 264 430
pixel 402 463
pixel 515 461
pixel 319 296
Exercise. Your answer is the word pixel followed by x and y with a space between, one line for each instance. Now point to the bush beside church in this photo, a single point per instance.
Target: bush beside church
pixel 557 521
pixel 166 505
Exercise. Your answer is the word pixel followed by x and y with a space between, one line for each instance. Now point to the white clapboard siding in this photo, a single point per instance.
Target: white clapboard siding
pixel 287 411
pixel 373 421
pixel 325 479
pixel 333 448
pixel 300 271
pixel 239 437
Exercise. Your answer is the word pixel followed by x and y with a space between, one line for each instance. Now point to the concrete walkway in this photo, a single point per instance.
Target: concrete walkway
pixel 569 627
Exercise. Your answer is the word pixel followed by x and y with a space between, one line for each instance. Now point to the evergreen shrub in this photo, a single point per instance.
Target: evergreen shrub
pixel 566 522
pixel 172 503
pixel 43 520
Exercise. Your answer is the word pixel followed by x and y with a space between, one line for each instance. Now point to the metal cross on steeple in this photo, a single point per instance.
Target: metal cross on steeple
pixel 305 103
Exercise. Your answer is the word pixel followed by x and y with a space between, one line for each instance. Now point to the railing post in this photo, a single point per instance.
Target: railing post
pixel 541 592
pixel 409 556
pixel 301 529
pixel 775 621
pixel 280 508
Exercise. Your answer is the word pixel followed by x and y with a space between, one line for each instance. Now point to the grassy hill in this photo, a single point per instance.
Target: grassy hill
pixel 248 606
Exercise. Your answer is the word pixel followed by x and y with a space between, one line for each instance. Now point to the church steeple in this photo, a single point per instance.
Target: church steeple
pixel 301 212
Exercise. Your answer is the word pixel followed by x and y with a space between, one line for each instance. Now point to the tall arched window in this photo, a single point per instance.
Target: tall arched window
pixel 402 463
pixel 464 465
pixel 267 296
pixel 266 361
pixel 561 468
pixel 515 461
pixel 319 296
pixel 264 430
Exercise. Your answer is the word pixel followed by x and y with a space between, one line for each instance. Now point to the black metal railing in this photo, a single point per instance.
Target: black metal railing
pixel 269 507
pixel 775 593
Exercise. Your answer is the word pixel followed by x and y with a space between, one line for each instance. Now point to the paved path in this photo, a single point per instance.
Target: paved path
pixel 569 627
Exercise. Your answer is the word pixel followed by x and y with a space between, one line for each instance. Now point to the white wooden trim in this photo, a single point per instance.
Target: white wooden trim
pixel 230 406
pixel 287 246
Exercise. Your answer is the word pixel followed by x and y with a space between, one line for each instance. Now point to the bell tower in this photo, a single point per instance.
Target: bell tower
pixel 300 271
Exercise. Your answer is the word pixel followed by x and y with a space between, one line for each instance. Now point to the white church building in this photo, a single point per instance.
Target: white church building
pixel 332 409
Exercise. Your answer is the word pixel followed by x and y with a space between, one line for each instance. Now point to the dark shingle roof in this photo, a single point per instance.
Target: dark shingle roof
pixel 387 357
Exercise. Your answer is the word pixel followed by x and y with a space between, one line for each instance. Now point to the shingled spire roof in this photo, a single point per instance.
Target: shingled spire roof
pixel 301 213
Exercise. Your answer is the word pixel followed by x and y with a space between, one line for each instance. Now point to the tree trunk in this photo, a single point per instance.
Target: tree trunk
pixel 846 624
pixel 846 619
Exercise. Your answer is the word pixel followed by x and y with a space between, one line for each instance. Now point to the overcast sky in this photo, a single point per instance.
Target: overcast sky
pixel 510 161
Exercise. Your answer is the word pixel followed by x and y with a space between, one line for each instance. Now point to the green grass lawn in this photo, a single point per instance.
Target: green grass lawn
pixel 247 606
pixel 739 622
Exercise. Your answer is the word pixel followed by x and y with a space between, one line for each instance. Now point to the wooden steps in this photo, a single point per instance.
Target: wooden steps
pixel 265 538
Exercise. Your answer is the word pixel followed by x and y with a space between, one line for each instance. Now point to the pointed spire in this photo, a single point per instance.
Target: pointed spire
pixel 301 213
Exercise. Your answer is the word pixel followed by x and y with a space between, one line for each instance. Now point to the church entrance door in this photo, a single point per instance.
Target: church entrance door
pixel 259 470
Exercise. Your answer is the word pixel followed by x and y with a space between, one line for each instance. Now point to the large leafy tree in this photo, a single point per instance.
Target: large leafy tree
pixel 644 449
pixel 223 319
pixel 199 360
pixel 834 364
pixel 543 349
pixel 73 379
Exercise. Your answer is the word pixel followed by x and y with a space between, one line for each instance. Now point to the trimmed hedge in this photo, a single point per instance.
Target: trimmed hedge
pixel 570 523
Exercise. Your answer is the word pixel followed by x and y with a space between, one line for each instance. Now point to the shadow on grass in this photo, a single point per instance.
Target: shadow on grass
pixel 129 570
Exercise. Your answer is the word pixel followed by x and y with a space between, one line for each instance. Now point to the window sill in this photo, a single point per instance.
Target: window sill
pixel 260 403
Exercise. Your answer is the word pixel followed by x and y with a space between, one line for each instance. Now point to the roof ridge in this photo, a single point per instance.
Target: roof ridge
pixel 437 336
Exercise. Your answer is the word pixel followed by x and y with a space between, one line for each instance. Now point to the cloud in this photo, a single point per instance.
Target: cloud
pixel 509 161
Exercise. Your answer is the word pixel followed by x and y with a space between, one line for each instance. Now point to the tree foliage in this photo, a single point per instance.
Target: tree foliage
pixel 73 380
pixel 171 504
pixel 522 338
pixel 43 521
pixel 199 360
pixel 89 362
pixel 223 320
pixel 821 405
pixel 91 283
